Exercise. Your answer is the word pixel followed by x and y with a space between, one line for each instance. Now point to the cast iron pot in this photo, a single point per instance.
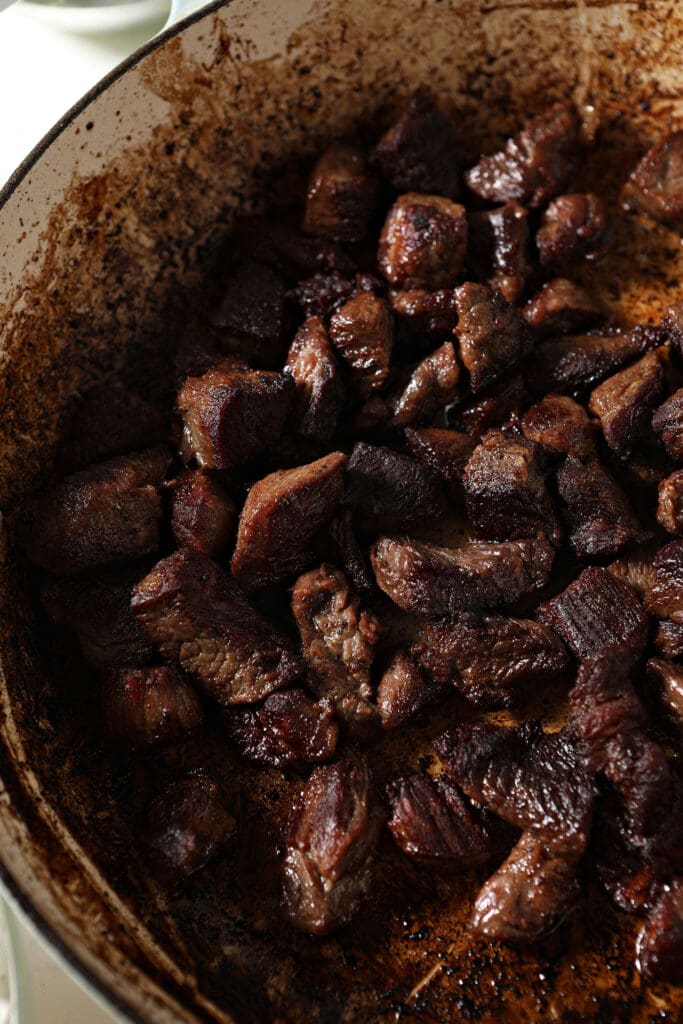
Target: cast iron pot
pixel 106 234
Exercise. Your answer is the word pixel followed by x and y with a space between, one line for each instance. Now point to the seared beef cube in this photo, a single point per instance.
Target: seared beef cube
pixel 292 253
pixel 670 503
pixel 635 568
pixel 435 581
pixel 596 610
pixel 423 242
pixel 280 519
pixel 328 862
pixel 444 451
pixel 577 361
pixel 667 423
pixel 341 195
pixel 655 187
pixel 600 518
pixel 493 407
pixel 659 947
pixel 319 391
pixel 491 334
pixel 404 691
pixel 536 164
pixel 187 826
pixel 252 314
pixel 668 681
pixel 110 421
pixel 665 597
pixel 672 323
pixel 202 515
pixel 321 294
pixel 362 332
pixel 195 614
pixel 494 661
pixel 625 402
pixel 107 513
pixel 386 489
pixel 531 779
pixel 431 820
pixel 505 493
pixel 627 878
pixel 562 307
pixel 498 248
pixel 231 414
pixel 574 227
pixel 338 640
pixel 96 605
pixel 354 558
pixel 561 425
pixel 429 315
pixel 288 728
pixel 432 385
pixel 530 894
pixel 145 707
pixel 669 638
pixel 421 151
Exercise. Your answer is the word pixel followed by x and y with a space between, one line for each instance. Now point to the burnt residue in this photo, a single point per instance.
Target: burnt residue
pixel 122 266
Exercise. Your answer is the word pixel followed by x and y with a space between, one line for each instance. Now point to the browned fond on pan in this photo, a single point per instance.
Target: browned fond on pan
pixel 120 261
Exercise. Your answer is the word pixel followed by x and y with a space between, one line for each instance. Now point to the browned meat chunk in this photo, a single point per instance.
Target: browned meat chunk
pixel 435 581
pixel 672 323
pixel 187 826
pixel 423 242
pixel 362 332
pixel 600 518
pixel 669 638
pixel 498 248
pixel 493 407
pixel 338 641
pixel 432 385
pixel 667 423
pixel 195 614
pixel 319 391
pixel 353 557
pixel 444 451
pixel 431 820
pixel 430 315
pixel 202 515
pixel 668 680
pixel 321 294
pixel 578 361
pixel 420 152
pixel 574 227
pixel 491 334
pixel 144 707
pixel 280 518
pixel 505 492
pixel 252 317
pixel 625 402
pixel 635 568
pixel 110 421
pixel 288 728
pixel 665 597
pixel 562 307
pixel 655 187
pixel 232 414
pixel 328 862
pixel 386 489
pixel 341 195
pixel 530 894
pixel 596 610
pixel 493 660
pixel 288 251
pixel 659 947
pixel 535 165
pixel 107 513
pixel 562 426
pixel 96 605
pixel 404 691
pixel 670 503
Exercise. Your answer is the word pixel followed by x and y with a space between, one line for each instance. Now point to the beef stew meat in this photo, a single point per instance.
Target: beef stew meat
pixel 412 481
